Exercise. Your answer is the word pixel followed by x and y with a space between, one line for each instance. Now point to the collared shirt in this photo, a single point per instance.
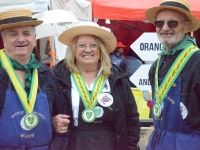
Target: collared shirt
pixel 76 96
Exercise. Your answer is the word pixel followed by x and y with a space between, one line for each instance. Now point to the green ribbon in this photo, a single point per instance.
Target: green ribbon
pixel 32 64
pixel 173 72
pixel 89 100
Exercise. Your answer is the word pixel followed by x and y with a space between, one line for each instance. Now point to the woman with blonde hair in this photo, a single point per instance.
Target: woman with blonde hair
pixel 99 103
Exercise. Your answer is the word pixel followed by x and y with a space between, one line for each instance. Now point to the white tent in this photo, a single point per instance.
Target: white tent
pixel 82 9
pixel 34 5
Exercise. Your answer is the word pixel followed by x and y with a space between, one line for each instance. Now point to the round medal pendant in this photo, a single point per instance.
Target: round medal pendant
pixel 157 110
pixel 31 120
pixel 88 115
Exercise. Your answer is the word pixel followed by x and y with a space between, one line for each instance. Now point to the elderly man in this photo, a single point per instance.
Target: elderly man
pixel 175 78
pixel 28 90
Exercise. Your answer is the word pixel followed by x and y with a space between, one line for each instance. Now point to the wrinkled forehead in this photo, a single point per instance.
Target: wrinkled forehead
pixel 19 29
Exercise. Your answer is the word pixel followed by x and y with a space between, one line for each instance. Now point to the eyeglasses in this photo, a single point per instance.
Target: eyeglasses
pixel 171 23
pixel 83 47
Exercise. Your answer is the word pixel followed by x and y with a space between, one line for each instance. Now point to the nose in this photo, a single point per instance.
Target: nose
pixel 88 49
pixel 165 27
pixel 20 38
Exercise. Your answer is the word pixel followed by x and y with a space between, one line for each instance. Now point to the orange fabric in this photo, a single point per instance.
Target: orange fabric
pixel 130 9
pixel 53 54
pixel 120 44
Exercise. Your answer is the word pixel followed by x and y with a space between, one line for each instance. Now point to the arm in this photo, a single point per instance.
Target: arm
pixel 59 140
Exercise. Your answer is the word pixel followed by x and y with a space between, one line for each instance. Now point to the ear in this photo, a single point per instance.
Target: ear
pixel 188 26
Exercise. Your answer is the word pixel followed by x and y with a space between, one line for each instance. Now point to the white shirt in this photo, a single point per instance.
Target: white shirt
pixel 76 97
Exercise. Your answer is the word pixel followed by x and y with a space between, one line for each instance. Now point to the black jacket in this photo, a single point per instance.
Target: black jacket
pixel 127 126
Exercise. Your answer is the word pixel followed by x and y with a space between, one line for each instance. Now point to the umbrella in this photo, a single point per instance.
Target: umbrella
pixel 54 22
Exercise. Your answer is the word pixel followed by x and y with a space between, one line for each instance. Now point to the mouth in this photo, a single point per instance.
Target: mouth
pixel 88 56
pixel 166 34
pixel 21 45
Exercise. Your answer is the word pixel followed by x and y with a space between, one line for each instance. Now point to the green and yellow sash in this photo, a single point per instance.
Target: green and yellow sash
pixel 174 71
pixel 89 100
pixel 27 103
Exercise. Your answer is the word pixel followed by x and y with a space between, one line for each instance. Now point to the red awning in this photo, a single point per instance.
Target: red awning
pixel 130 9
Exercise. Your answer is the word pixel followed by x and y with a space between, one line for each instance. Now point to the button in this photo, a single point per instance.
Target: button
pixel 174 85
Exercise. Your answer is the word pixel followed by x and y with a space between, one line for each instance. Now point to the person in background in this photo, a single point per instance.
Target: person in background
pixel 130 64
pixel 103 113
pixel 36 52
pixel 117 56
pixel 175 78
pixel 29 94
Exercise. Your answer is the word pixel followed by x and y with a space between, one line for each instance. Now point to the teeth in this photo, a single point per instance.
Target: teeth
pixel 87 56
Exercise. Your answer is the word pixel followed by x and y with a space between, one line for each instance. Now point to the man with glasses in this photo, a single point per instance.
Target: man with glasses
pixel 175 78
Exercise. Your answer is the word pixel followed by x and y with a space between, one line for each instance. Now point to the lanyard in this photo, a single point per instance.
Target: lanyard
pixel 174 71
pixel 88 99
pixel 27 102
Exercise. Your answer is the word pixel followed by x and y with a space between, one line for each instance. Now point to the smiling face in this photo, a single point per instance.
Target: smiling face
pixel 19 42
pixel 171 36
pixel 87 57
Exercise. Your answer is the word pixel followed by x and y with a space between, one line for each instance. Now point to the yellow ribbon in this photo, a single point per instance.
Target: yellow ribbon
pixel 28 105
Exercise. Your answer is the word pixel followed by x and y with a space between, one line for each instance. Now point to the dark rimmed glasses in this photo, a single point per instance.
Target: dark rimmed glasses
pixel 171 23
pixel 83 46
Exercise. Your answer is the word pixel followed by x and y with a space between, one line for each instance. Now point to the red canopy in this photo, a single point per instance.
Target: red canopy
pixel 127 17
pixel 130 9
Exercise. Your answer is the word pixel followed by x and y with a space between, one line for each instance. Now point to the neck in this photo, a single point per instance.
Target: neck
pixel 22 60
pixel 88 68
pixel 89 73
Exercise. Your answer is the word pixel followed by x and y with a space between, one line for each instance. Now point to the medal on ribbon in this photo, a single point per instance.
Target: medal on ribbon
pixel 157 110
pixel 89 100
pixel 30 119
pixel 88 115
pixel 172 74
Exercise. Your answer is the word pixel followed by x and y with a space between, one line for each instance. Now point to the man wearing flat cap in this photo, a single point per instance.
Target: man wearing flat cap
pixel 175 78
pixel 28 90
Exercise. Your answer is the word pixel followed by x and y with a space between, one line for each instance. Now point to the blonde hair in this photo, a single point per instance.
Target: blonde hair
pixel 104 60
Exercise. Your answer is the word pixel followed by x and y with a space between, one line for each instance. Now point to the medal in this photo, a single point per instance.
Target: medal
pixel 89 99
pixel 88 115
pixel 98 111
pixel 157 110
pixel 105 99
pixel 31 120
pixel 169 80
